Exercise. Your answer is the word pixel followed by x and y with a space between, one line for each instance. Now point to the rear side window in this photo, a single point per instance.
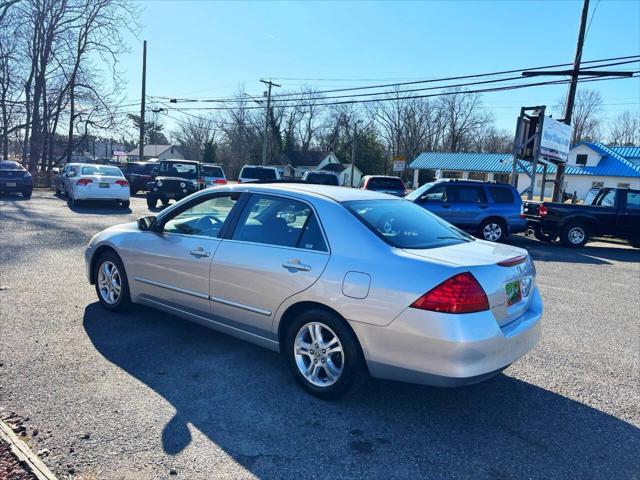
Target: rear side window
pixel 280 221
pixel 258 173
pixel 385 183
pixel 633 200
pixel 467 194
pixel 501 195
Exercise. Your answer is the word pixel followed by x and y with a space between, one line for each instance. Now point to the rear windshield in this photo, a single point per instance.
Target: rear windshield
pixel 177 169
pixel 322 179
pixel 385 184
pixel 208 171
pixel 142 168
pixel 10 166
pixel 101 170
pixel 404 224
pixel 258 173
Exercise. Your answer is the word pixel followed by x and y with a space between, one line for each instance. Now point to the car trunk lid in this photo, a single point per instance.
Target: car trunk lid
pixel 506 273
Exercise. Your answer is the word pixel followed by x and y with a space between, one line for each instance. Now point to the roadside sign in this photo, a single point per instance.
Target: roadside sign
pixel 119 153
pixel 555 141
pixel 398 165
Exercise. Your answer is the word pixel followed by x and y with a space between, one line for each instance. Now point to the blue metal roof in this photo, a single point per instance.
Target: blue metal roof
pixel 630 153
pixel 612 164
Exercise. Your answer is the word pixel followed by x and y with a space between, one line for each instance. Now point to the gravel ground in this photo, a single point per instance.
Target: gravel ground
pixel 147 395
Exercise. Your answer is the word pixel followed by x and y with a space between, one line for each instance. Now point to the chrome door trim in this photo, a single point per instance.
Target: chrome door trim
pixel 204 296
pixel 242 306
pixel 223 327
pixel 282 247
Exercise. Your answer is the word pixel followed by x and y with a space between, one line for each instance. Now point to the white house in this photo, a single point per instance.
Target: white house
pixel 590 165
pixel 295 163
pixel 161 152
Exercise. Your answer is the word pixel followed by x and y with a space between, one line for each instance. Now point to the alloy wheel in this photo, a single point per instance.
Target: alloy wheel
pixel 319 354
pixel 492 232
pixel 576 235
pixel 109 282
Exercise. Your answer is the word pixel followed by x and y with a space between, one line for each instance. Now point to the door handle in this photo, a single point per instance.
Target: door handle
pixel 199 252
pixel 296 265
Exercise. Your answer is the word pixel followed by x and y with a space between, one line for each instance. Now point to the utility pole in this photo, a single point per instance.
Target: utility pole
pixel 142 104
pixel 265 139
pixel 575 73
pixel 353 151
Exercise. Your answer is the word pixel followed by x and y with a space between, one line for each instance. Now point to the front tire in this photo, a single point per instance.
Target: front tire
pixel 544 237
pixel 151 202
pixel 323 354
pixel 493 230
pixel 165 201
pixel 112 285
pixel 574 235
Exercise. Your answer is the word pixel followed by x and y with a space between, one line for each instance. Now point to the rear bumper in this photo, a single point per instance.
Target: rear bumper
pixel 106 194
pixel 448 350
pixel 518 225
pixel 17 185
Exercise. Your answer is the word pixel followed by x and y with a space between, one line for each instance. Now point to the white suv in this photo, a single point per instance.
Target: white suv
pixel 255 173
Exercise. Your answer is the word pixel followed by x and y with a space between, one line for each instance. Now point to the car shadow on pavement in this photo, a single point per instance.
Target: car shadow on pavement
pixel 591 254
pixel 243 399
pixel 99 208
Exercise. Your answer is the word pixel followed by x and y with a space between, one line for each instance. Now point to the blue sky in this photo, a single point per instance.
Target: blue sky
pixel 208 48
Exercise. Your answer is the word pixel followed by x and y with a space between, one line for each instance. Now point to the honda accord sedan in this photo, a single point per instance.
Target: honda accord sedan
pixel 344 283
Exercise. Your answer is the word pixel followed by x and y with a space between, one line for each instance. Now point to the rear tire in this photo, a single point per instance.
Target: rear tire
pixel 112 285
pixel 126 204
pixel 72 202
pixel 544 237
pixel 27 195
pixel 152 202
pixel 165 202
pixel 493 230
pixel 574 235
pixel 318 370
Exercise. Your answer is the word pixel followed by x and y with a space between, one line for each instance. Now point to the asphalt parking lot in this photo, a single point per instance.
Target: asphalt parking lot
pixel 148 395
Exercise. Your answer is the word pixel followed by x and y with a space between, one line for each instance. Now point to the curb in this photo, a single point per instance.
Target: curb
pixel 24 454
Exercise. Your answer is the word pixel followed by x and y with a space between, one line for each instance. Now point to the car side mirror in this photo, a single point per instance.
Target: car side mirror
pixel 147 223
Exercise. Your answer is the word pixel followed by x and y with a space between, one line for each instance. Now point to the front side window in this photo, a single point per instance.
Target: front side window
pixel 279 221
pixel 204 219
pixel 467 194
pixel 608 199
pixel 406 225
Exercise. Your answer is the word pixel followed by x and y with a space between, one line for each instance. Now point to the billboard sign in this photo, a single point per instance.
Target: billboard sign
pixel 399 164
pixel 555 141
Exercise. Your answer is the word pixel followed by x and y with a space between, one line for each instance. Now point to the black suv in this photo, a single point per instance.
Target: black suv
pixel 175 179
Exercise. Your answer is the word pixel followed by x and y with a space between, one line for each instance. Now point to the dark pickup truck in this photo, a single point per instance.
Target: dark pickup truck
pixel 611 212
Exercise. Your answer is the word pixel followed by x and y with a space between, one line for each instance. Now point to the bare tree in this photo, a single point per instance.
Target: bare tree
pixel 585 121
pixel 624 130
pixel 491 140
pixel 194 134
pixel 463 118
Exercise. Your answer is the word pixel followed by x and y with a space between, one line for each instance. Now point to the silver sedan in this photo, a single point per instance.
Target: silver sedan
pixel 344 283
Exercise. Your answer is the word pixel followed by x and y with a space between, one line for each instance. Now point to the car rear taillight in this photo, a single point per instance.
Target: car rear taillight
pixel 220 181
pixel 542 211
pixel 522 210
pixel 84 182
pixel 460 294
pixel 512 262
pixel 122 183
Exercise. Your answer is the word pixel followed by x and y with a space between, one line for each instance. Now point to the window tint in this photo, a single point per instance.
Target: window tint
pixel 258 173
pixel 206 218
pixel 183 170
pixel 385 184
pixel 501 194
pixel 436 194
pixel 322 179
pixel 102 170
pixel 633 200
pixel 10 166
pixel 405 224
pixel 279 221
pixel 467 194
pixel 208 171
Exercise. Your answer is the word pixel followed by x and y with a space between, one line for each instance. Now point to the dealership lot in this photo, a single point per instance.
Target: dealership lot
pixel 147 395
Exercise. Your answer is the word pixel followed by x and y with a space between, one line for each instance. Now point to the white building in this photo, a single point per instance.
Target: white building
pixel 590 165
pixel 161 152
pixel 296 163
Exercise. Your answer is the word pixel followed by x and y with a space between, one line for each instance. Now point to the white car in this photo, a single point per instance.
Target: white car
pixel 97 182
pixel 258 173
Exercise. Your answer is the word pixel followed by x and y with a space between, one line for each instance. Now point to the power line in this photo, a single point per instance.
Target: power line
pixel 415 82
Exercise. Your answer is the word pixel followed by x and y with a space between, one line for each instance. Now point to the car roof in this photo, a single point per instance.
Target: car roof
pixel 180 160
pixel 339 194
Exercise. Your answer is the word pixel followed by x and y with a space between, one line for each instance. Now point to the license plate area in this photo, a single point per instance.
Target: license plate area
pixel 11 184
pixel 103 185
pixel 513 292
